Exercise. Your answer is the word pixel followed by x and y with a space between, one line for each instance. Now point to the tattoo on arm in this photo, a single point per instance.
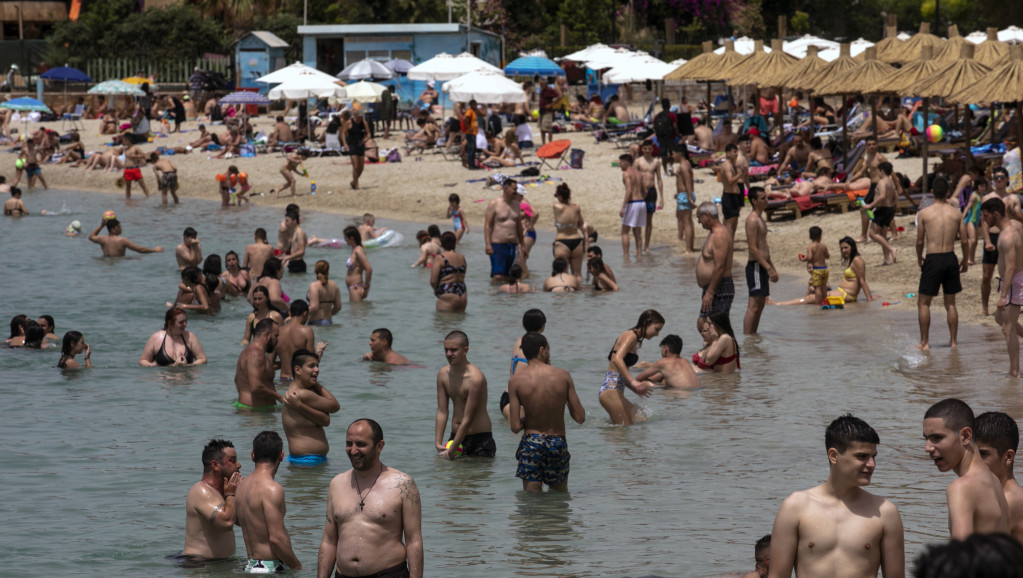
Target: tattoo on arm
pixel 213 516
pixel 408 490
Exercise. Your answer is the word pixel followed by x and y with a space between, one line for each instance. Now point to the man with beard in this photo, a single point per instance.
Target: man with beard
pixel 210 506
pixel 254 373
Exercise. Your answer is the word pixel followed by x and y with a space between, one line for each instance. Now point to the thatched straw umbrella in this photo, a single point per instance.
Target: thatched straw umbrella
pixel 760 72
pixel 962 73
pixel 1003 84
pixel 949 51
pixel 684 72
pixel 890 48
pixel 717 70
pixel 809 65
pixel 706 62
pixel 910 49
pixel 867 75
pixel 837 68
pixel 992 52
pixel 911 73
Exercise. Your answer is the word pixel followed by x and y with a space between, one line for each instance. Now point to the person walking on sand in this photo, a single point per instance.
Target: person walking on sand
pixel 291 164
pixel 1010 274
pixel 760 271
pixel 356 134
pixel 883 207
pixel 166 177
pixel 937 226
pixel 869 167
pixel 685 197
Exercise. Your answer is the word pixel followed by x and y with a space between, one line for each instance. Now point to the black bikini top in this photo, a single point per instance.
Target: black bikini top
pixel 630 358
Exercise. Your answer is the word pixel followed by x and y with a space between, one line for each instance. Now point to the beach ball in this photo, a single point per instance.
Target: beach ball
pixel 934 133
pixel 76 225
pixel 19 164
pixel 536 113
pixel 460 448
pixel 109 215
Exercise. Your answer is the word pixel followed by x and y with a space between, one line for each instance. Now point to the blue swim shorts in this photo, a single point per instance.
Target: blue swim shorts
pixel 503 258
pixel 543 458
pixel 307 460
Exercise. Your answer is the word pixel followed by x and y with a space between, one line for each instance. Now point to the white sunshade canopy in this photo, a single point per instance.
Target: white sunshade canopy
pixel 307 85
pixel 291 72
pixel 484 86
pixel 744 46
pixel 639 71
pixel 798 46
pixel 446 67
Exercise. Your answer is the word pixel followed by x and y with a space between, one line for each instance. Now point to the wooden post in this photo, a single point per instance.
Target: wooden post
pixel 669 31
pixel 783 26
pixel 564 35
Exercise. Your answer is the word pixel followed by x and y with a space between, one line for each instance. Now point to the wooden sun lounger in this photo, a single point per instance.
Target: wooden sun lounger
pixel 831 200
pixel 782 207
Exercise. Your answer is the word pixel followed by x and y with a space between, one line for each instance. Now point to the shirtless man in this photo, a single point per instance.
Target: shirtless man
pixel 937 226
pixel 761 558
pixel 633 211
pixel 703 136
pixel 997 437
pixel 14 206
pixel 760 271
pixel 758 150
pixel 380 342
pixel 838 529
pixel 210 506
pixel 732 198
pixel 254 372
pixel 883 207
pixel 616 110
pixel 466 386
pixel 261 510
pixel 386 539
pixel 797 158
pixel 189 252
pixel 503 233
pixel 134 159
pixel 868 167
pixel 542 391
pixel 257 253
pixel 113 244
pixel 296 335
pixel 725 137
pixel 282 133
pixel 670 370
pixel 819 157
pixel 649 169
pixel 976 502
pixel 989 234
pixel 166 177
pixel 1010 274
pixel 714 269
pixel 307 409
pixel 294 240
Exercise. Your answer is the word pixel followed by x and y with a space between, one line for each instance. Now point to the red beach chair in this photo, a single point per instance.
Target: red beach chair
pixel 556 150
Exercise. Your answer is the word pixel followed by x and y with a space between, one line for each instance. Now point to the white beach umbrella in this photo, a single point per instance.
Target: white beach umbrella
pixel 307 85
pixel 590 52
pixel 855 48
pixel 365 91
pixel 976 37
pixel 485 87
pixel 291 72
pixel 364 69
pixel 446 67
pixel 619 57
pixel 904 36
pixel 798 46
pixel 639 71
pixel 743 46
pixel 1011 35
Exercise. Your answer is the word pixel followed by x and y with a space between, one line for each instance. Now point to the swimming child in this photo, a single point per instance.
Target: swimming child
pixel 671 370
pixel 816 259
pixel 458 224
pixel 234 184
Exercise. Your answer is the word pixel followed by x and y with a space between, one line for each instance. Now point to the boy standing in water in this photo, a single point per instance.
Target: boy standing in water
pixel 816 259
pixel 997 442
pixel 307 409
pixel 838 528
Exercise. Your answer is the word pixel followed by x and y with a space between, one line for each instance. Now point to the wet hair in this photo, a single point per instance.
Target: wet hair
pixel 707 209
pixel 298 307
pixel 191 275
pixel 625 157
pixel 997 430
pixel 646 319
pixel 816 233
pixel 171 315
pixel 531 344
pixel 761 548
pixel 214 452
pixel 112 224
pixel 261 233
pixel 264 325
pixel 731 148
pixel 956 413
pixel 384 334
pixel 322 270
pixel 459 335
pixel 34 334
pixel 266 293
pixel 448 241
pixel 755 192
pixel 563 193
pixel 292 208
pixel 853 251
pixel 993 205
pixel 534 320
pixel 515 272
pixel 939 187
pixel 293 215
pixel 378 433
pixel 267 446
pixel 558 266
pixel 300 356
pixel 70 339
pixel 433 230
pixel 190 233
pixel 597 264
pixel 595 250
pixel 847 430
pixel 422 236
pixel 49 321
pixel 979 556
pixel 271 268
pixel 721 320
pixel 353 233
pixel 673 343
pixel 454 198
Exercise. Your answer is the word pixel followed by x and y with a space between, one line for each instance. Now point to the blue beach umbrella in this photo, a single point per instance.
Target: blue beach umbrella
pixel 26 104
pixel 66 73
pixel 532 66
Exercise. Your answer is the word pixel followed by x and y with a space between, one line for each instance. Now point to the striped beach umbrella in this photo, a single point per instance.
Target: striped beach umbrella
pixel 116 87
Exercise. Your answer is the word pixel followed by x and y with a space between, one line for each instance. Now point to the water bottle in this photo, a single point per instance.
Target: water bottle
pixel 312 188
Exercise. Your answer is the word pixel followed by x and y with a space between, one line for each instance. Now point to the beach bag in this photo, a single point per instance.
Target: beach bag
pixel 393 156
pixel 494 124
pixel 247 150
pixel 662 125
pixel 576 158
pixel 530 172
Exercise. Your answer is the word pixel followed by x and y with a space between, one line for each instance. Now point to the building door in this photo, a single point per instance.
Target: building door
pixel 252 64
pixel 330 55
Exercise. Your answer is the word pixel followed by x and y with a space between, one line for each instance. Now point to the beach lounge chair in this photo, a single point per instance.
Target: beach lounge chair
pixel 74 119
pixel 552 154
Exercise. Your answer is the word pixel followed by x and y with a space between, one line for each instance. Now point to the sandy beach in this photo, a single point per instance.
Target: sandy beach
pixel 417 190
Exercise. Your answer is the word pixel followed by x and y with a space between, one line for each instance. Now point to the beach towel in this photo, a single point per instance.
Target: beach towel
pixel 1012 163
pixel 805 203
pixel 856 194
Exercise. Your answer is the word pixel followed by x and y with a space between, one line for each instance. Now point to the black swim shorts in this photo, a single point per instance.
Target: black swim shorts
pixel 883 216
pixel 757 280
pixel 940 270
pixel 991 257
pixel 731 205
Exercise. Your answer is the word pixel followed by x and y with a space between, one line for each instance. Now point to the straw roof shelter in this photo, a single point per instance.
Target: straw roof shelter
pixel 910 74
pixel 808 66
pixel 991 52
pixel 1003 84
pixel 861 79
pixel 952 78
pixel 889 49
pixel 719 70
pixel 949 51
pixel 910 49
pixel 685 71
pixel 837 68
pixel 759 71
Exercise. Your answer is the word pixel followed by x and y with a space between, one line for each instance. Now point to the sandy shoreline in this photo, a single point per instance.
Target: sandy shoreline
pixel 417 189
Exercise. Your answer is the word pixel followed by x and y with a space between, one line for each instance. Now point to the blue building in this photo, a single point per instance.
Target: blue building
pixel 329 48
pixel 256 54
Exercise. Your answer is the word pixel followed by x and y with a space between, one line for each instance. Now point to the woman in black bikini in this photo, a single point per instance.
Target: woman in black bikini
pixel 236 280
pixel 260 310
pixel 569 243
pixel 447 276
pixel 620 359
pixel 172 345
pixel 74 343
pixel 559 282
pixel 354 140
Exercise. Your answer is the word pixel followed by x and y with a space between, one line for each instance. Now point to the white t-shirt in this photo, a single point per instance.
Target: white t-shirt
pixel 523 133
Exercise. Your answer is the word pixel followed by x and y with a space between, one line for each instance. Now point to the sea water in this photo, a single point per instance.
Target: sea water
pixel 96 463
